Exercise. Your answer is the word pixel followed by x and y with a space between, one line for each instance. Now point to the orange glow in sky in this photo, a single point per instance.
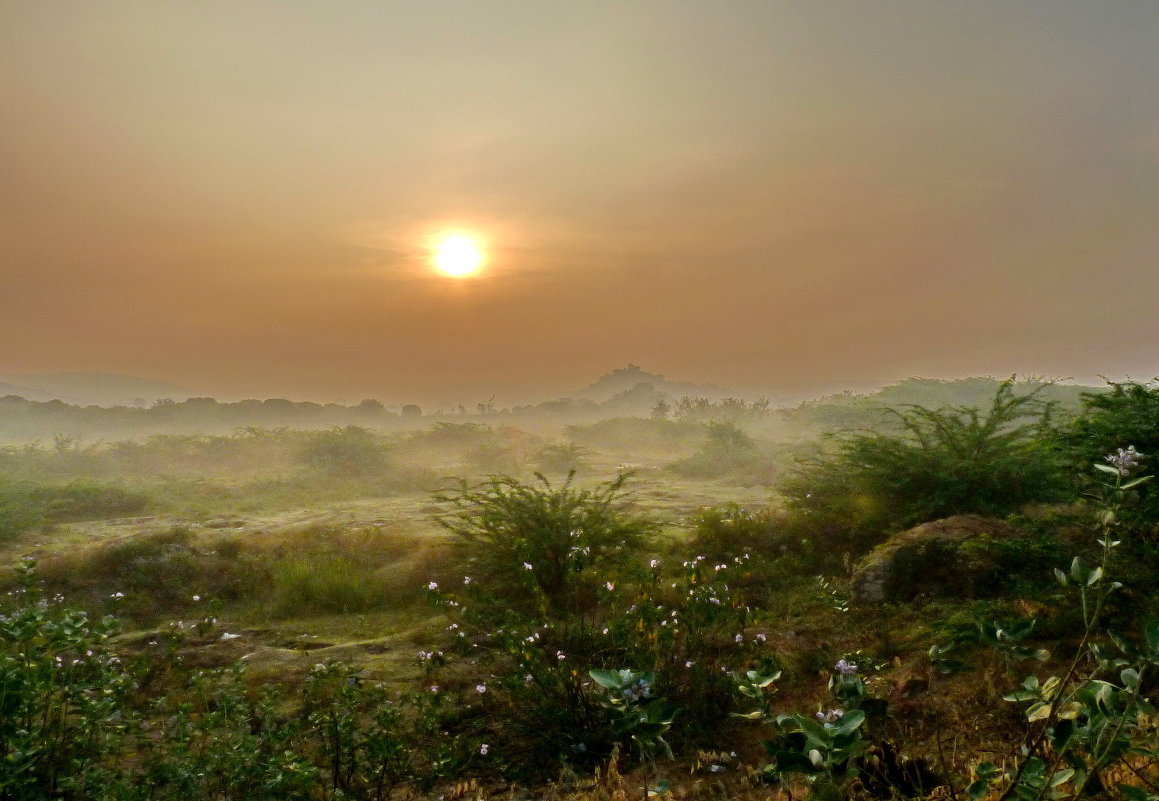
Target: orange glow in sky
pixel 387 200
pixel 457 255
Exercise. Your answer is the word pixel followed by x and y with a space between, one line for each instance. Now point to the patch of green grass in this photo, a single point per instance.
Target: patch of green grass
pixel 303 587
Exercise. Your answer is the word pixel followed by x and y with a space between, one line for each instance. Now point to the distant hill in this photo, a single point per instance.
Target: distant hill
pixel 91 389
pixel 28 393
pixel 626 379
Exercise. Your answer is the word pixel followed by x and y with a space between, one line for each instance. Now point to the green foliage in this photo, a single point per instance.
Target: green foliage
pixel 79 722
pixel 348 451
pixel 944 462
pixel 87 499
pixel 685 627
pixel 559 593
pixel 1127 415
pixel 823 748
pixel 371 740
pixel 563 457
pixel 149 576
pixel 636 713
pixel 727 531
pixel 61 695
pixel 850 410
pixel 220 739
pixel 1094 715
pixel 633 438
pixel 26 505
pixel 305 586
pixel 775 555
pixel 726 411
pixel 19 510
pixel 542 548
pixel 726 449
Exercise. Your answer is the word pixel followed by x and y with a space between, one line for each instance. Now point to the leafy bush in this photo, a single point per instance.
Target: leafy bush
pixel 77 721
pixel 686 626
pixel 152 575
pixel 19 510
pixel 542 548
pixel 348 451
pixel 85 499
pixel 557 584
pixel 776 554
pixel 61 694
pixel 944 462
pixel 1091 726
pixel 1127 415
pixel 726 449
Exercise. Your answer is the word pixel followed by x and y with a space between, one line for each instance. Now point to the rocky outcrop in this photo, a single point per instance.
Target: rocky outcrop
pixel 942 558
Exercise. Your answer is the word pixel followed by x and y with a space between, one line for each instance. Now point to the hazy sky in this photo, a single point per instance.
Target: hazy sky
pixel 787 196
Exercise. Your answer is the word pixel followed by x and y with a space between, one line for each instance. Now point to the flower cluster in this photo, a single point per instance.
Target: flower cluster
pixel 832 716
pixel 845 668
pixel 1125 460
pixel 637 690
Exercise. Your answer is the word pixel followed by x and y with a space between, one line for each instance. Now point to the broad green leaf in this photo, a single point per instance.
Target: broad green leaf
pixel 1050 686
pixel 850 721
pixel 813 730
pixel 762 681
pixel 1061 777
pixel 985 770
pixel 978 790
pixel 1039 711
pixel 606 678
pixel 1105 694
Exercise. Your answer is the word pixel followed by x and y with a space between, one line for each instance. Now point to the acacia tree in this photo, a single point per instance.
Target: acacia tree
pixel 938 462
pixel 539 547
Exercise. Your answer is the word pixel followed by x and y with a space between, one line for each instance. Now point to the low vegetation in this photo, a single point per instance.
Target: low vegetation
pixel 553 635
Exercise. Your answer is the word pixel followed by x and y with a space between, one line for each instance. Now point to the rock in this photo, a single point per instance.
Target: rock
pixel 930 559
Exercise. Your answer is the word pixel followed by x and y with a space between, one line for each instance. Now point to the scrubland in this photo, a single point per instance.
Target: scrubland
pixel 549 603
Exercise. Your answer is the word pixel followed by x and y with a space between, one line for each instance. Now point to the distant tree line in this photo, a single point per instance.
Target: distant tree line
pixel 27 419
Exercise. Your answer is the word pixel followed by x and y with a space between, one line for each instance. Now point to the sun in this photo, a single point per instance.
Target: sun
pixel 457 255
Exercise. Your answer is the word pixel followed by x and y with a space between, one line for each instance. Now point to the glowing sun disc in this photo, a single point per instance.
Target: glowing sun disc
pixel 457 255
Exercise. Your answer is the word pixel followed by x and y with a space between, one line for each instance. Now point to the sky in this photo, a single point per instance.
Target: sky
pixel 779 197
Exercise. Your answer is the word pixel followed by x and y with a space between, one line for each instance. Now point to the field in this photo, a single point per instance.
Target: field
pixel 496 605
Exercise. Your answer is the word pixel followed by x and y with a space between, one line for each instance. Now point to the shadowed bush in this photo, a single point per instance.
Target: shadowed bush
pixel 951 461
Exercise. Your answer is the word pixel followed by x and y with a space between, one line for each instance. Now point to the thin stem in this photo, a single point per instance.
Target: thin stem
pixel 1080 653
